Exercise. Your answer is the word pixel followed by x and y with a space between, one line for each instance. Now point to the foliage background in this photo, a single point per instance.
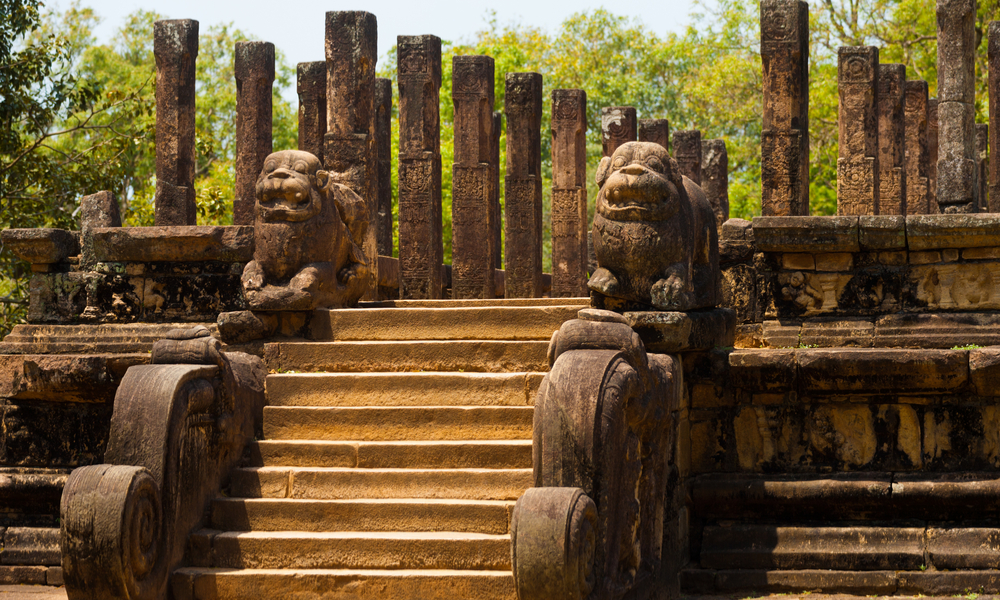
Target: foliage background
pixel 77 117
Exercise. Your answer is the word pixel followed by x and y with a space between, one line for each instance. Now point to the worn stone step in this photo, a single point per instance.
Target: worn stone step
pixel 452 323
pixel 485 454
pixel 581 302
pixel 460 355
pixel 402 389
pixel 376 423
pixel 797 548
pixel 357 550
pixel 335 483
pixel 369 514
pixel 343 584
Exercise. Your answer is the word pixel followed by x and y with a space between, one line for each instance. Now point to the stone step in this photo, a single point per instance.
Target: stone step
pixel 919 583
pixel 342 584
pixel 581 302
pixel 355 550
pixel 369 514
pixel 795 548
pixel 451 323
pixel 460 355
pixel 377 423
pixel 485 454
pixel 402 389
pixel 337 483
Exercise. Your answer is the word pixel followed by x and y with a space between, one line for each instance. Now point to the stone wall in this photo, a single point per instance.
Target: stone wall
pixel 923 281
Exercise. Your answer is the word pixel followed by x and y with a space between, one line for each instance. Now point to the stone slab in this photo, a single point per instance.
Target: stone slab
pixel 173 244
pixel 931 232
pixel 937 330
pixel 64 378
pixel 448 454
pixel 344 584
pixel 861 548
pixel 806 234
pixel 287 514
pixel 463 355
pixel 940 583
pixel 882 370
pixel 114 338
pixel 964 548
pixel 763 370
pixel 402 389
pixel 31 546
pixel 466 323
pixel 844 582
pixel 42 245
pixel 882 232
pixel 667 332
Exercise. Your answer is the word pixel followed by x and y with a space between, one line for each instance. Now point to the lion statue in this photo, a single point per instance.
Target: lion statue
pixel 308 234
pixel 654 233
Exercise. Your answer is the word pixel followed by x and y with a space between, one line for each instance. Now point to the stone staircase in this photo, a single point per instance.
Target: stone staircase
pixel 392 458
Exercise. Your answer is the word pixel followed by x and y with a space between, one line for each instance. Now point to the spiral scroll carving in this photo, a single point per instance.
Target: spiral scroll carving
pixel 564 570
pixel 111 532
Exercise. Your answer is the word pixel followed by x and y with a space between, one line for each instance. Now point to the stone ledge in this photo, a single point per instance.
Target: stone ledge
pixel 806 234
pixel 109 338
pixel 42 246
pixel 173 244
pixel 928 232
pixel 850 370
pixel 64 378
pixel 666 332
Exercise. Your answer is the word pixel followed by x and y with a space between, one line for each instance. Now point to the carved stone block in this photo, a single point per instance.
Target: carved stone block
pixel 892 139
pixel 916 151
pixel 687 151
pixel 523 186
pixel 857 74
pixel 569 193
pixel 655 130
pixel 311 88
pixel 784 188
pixel 254 68
pixel 654 233
pixel 715 178
pixel 618 126
pixel 175 48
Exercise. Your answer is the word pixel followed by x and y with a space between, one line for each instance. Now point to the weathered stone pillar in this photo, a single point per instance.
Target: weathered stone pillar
pixel 618 125
pixel 857 164
pixel 655 130
pixel 957 188
pixel 254 67
pixel 523 186
pixel 495 189
pixel 983 159
pixel 569 193
pixel 932 155
pixel 784 146
pixel 349 144
pixel 311 86
pixel 175 48
pixel 715 178
pixel 421 250
pixel 891 140
pixel 383 153
pixel 472 245
pixel 993 53
pixel 917 157
pixel 687 152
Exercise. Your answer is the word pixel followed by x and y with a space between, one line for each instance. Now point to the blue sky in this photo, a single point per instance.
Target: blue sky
pixel 297 27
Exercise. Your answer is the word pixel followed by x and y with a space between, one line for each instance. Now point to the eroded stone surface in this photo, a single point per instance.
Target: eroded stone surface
pixel 857 163
pixel 662 253
pixel 569 193
pixel 618 126
pixel 254 68
pixel 308 237
pixel 523 186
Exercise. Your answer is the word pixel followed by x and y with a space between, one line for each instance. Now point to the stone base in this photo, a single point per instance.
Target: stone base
pixel 668 332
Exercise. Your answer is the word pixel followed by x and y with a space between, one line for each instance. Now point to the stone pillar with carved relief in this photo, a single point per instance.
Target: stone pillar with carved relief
pixel 857 164
pixel 569 193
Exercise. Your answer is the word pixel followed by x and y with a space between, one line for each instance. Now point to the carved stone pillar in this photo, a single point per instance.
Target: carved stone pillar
pixel 917 157
pixel 349 144
pixel 655 130
pixel 472 216
pixel 618 125
pixel 715 178
pixel 495 190
pixel 983 159
pixel 523 186
pixel 569 193
pixel 687 152
pixel 932 155
pixel 254 66
pixel 420 242
pixel 311 86
pixel 957 185
pixel 175 48
pixel 857 165
pixel 891 140
pixel 784 49
pixel 382 220
pixel 994 100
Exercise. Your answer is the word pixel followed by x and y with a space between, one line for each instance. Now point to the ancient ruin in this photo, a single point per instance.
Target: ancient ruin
pixel 708 405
